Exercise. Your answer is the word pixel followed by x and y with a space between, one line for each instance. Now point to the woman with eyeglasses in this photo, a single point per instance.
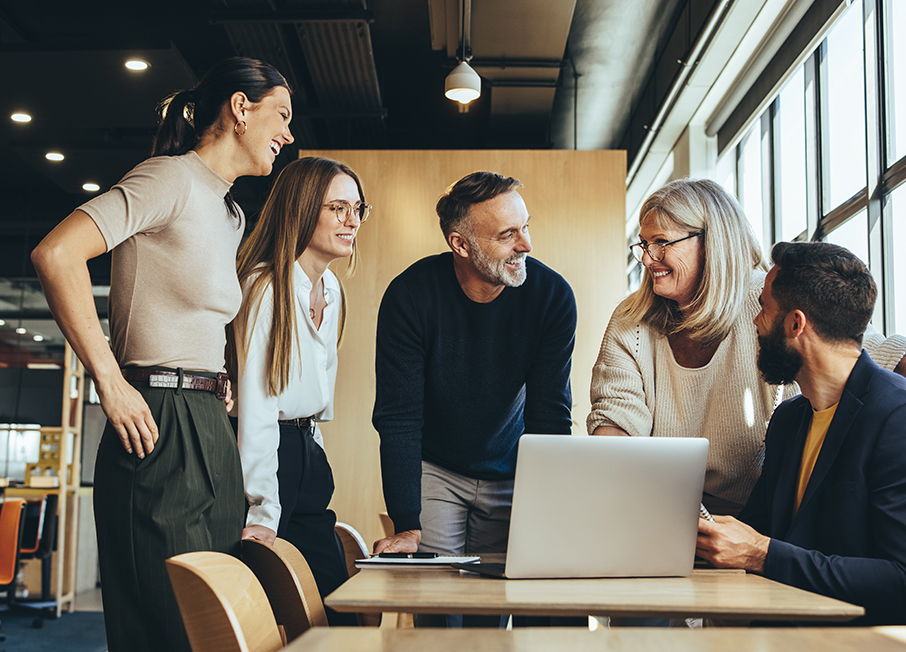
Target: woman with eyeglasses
pixel 679 355
pixel 285 341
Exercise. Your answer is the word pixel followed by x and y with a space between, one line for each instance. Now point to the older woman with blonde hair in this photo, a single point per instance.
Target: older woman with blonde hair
pixel 679 355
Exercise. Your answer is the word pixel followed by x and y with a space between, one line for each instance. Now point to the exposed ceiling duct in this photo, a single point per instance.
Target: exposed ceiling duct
pixel 324 49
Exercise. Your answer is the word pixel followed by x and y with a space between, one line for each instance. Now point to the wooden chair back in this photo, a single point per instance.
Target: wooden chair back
pixel 11 522
pixel 387 524
pixel 354 547
pixel 288 583
pixel 222 604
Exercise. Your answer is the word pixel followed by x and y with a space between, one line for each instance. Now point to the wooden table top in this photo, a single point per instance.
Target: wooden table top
pixel 705 593
pixel 717 639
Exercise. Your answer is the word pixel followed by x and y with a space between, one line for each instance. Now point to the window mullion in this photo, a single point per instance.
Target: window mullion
pixel 822 127
pixel 875 138
pixel 814 185
pixel 769 202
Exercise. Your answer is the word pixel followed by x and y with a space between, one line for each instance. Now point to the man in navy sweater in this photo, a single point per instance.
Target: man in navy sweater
pixel 473 349
pixel 828 513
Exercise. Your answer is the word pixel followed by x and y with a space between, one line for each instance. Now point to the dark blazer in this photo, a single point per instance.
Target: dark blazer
pixel 848 540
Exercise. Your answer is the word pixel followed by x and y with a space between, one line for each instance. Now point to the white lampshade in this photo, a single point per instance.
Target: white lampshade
pixel 463 84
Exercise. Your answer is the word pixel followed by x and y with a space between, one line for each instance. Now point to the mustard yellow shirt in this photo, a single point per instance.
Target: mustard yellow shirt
pixel 821 420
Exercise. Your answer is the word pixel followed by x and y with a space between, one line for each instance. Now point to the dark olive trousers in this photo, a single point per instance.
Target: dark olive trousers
pixel 185 496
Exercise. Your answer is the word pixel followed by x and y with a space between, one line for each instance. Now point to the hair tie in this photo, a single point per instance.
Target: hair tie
pixel 190 95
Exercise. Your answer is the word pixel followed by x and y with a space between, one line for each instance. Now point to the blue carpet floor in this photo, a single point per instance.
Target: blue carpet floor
pixel 82 631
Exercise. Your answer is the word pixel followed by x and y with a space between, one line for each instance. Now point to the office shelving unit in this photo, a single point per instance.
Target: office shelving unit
pixel 58 471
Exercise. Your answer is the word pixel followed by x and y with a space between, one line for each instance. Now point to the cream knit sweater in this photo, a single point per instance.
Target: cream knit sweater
pixel 637 385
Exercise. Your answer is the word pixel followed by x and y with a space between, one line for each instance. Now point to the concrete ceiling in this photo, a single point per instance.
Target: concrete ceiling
pixel 366 74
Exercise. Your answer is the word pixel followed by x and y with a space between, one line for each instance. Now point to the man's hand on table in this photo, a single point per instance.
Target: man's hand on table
pixel 729 543
pixel 401 542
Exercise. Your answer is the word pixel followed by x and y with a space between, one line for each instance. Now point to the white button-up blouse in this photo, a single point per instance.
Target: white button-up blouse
pixel 312 380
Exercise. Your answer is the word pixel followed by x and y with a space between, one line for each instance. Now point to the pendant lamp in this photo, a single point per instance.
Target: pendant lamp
pixel 463 84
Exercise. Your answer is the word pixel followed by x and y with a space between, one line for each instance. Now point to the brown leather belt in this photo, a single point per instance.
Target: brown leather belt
pixel 302 424
pixel 170 380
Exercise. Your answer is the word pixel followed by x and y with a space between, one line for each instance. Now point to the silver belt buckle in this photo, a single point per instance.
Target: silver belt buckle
pixel 164 380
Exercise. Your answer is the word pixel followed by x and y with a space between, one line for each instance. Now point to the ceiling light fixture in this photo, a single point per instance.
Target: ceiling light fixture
pixel 38 338
pixel 20 117
pixel 21 331
pixel 54 156
pixel 137 65
pixel 463 84
pixel 91 187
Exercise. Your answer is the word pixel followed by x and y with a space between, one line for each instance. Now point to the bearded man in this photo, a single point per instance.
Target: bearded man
pixel 474 349
pixel 828 513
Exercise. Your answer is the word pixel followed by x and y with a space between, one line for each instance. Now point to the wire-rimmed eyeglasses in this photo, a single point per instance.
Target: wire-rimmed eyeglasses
pixel 656 250
pixel 342 209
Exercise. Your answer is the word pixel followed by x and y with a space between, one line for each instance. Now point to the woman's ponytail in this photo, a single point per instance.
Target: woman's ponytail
pixel 176 133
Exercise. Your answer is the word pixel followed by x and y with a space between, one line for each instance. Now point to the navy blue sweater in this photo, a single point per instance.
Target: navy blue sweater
pixel 458 382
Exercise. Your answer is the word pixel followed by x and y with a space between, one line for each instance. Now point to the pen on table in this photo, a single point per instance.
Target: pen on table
pixel 407 555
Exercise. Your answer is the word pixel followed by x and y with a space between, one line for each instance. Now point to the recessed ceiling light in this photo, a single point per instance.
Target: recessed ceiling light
pixel 54 156
pixel 21 331
pixel 2 322
pixel 38 338
pixel 91 187
pixel 137 65
pixel 21 117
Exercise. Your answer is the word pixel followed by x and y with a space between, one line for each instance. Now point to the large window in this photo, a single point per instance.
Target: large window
pixel 897 277
pixel 842 108
pixel 824 163
pixel 749 181
pixel 894 13
pixel 789 127
pixel 853 234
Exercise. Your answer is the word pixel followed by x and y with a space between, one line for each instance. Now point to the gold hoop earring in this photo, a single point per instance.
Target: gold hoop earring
pixel 240 127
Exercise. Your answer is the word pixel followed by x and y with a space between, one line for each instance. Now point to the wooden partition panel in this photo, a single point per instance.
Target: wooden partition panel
pixel 577 203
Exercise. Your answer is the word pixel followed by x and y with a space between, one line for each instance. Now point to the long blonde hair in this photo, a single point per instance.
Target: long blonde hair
pixel 730 254
pixel 286 226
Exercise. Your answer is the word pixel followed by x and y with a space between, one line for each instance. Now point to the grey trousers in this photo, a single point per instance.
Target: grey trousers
pixel 463 516
pixel 185 496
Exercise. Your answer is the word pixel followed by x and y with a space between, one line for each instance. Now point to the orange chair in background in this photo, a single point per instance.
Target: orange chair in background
pixel 11 523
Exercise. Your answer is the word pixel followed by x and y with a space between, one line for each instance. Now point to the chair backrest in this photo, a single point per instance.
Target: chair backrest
pixel 32 525
pixel 11 522
pixel 387 524
pixel 289 584
pixel 40 528
pixel 353 546
pixel 222 604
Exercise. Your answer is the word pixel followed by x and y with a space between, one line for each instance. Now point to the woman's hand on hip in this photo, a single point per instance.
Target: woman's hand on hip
pixel 129 415
pixel 228 399
pixel 260 533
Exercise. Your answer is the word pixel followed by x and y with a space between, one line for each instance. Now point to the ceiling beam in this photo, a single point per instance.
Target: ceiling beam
pixel 305 16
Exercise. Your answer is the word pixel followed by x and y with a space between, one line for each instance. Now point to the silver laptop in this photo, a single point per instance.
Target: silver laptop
pixel 605 506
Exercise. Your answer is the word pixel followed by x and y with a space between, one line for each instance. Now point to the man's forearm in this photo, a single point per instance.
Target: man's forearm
pixel 401 478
